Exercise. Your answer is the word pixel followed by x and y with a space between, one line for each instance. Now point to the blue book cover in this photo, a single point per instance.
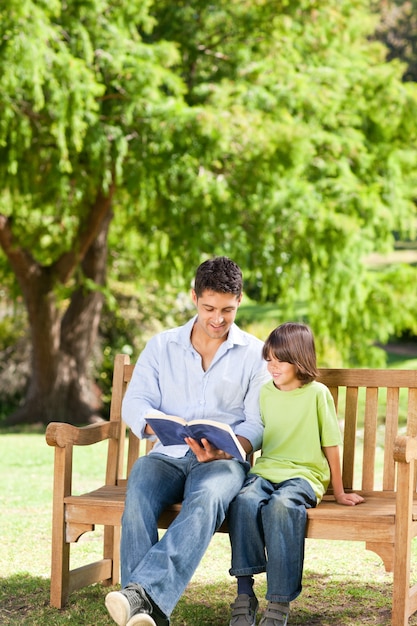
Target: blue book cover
pixel 171 430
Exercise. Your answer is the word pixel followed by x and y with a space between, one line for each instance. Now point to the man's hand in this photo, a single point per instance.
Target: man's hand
pixel 206 452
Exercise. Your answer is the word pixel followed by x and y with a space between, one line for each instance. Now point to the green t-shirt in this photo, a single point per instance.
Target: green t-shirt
pixel 298 424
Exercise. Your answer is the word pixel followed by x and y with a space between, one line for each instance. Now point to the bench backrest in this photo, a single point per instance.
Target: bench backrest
pixel 373 406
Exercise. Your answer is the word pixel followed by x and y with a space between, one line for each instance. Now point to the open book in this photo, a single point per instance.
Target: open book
pixel 171 430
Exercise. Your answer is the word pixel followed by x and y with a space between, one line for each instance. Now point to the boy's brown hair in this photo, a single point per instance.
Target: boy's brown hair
pixel 293 342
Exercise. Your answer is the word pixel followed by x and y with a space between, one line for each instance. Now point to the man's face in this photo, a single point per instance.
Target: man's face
pixel 216 312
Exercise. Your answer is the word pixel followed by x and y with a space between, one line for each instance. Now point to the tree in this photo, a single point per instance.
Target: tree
pixel 316 167
pixel 254 129
pixel 75 84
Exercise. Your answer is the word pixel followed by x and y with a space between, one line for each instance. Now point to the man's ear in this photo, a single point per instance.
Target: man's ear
pixel 194 297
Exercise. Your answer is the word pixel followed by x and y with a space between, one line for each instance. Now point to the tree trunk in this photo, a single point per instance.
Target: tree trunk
pixel 60 388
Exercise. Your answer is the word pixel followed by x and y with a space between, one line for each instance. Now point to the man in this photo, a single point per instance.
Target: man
pixel 208 368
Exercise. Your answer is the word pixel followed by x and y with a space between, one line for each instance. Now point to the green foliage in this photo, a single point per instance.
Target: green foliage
pixel 275 133
pixel 75 85
pixel 305 164
pixel 141 312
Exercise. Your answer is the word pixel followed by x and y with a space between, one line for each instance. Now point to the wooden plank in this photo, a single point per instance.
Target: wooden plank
pixel 115 453
pixel 412 413
pixel 412 422
pixel 368 377
pixel 111 552
pixel 374 507
pixel 61 434
pixel 412 606
pixel 402 553
pixel 128 371
pixel 133 452
pixel 391 430
pixel 335 394
pixel 60 552
pixel 349 438
pixel 89 574
pixel 332 529
pixel 110 495
pixel 385 550
pixel 369 438
pixel 107 504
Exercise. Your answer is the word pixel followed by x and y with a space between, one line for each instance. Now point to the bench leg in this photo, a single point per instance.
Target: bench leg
pixel 60 561
pixel 60 574
pixel 112 552
pixel 402 552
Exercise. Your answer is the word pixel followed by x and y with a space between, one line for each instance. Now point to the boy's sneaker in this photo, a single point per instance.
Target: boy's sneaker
pixel 244 610
pixel 276 614
pixel 130 606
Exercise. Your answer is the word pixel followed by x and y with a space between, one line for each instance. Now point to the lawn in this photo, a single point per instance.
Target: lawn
pixel 343 583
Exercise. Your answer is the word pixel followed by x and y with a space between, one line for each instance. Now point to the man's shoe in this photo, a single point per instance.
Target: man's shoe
pixel 276 614
pixel 128 604
pixel 244 610
pixel 158 618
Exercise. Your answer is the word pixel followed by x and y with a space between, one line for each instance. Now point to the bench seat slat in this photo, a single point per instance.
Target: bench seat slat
pixel 377 505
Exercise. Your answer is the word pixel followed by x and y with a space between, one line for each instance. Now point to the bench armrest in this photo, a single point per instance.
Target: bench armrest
pixel 61 434
pixel 405 448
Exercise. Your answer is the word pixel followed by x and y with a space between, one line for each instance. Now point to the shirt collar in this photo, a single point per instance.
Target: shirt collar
pixel 236 336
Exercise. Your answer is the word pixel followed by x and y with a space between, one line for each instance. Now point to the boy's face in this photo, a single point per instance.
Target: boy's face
pixel 216 312
pixel 283 374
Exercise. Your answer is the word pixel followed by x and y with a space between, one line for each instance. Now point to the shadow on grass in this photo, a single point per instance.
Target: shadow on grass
pixel 324 602
pixel 24 600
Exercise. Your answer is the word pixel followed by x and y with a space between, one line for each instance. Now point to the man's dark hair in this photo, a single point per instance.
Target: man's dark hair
pixel 220 274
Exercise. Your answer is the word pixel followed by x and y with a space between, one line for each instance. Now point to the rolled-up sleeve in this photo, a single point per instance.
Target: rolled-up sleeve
pixel 252 427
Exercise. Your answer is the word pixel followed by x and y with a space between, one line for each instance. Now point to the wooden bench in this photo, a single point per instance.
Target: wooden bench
pixel 370 404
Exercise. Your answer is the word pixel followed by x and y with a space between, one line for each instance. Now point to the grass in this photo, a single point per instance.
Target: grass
pixel 343 583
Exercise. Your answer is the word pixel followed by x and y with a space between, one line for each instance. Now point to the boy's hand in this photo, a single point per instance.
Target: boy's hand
pixel 349 499
pixel 206 452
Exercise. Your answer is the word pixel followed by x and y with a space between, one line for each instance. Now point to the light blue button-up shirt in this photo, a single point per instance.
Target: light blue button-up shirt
pixel 169 377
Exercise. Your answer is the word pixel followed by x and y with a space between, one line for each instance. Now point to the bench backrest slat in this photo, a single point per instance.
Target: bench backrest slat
pixel 391 430
pixel 350 426
pixel 370 438
pixel 116 451
pixel 412 422
pixel 412 412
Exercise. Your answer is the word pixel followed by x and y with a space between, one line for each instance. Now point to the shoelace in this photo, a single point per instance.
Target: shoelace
pixel 136 599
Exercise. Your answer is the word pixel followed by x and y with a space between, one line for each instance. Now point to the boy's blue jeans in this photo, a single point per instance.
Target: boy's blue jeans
pixel 164 568
pixel 267 523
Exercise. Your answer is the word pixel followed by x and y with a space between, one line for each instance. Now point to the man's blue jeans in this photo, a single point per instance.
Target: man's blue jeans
pixel 267 524
pixel 164 568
